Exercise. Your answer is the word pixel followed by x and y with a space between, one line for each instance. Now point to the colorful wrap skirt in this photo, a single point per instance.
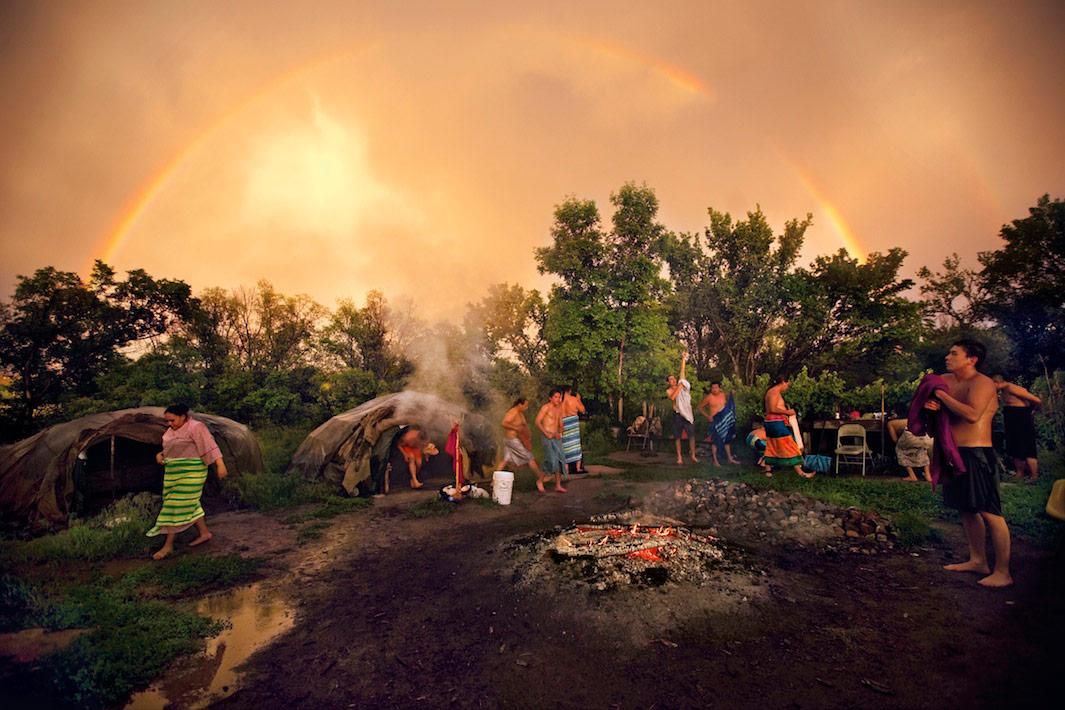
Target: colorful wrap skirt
pixel 571 438
pixel 182 486
pixel 780 446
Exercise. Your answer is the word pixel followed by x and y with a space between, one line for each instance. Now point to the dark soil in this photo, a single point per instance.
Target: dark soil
pixel 402 612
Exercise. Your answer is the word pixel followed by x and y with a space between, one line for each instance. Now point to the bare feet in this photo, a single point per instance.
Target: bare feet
pixel 910 478
pixel 201 539
pixel 695 460
pixel 680 462
pixel 997 579
pixel 559 489
pixel 163 552
pixel 416 484
pixel 732 460
pixel 540 485
pixel 970 566
pixel 717 464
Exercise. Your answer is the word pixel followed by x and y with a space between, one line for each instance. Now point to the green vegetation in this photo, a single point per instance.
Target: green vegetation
pixel 133 633
pixel 430 508
pixel 311 532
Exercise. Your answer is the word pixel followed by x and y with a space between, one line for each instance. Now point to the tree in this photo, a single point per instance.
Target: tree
pixel 263 331
pixel 848 316
pixel 729 298
pixel 953 298
pixel 360 338
pixel 509 325
pixel 607 306
pixel 59 333
pixel 1025 285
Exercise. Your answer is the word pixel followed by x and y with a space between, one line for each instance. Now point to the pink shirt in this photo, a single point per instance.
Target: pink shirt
pixel 191 440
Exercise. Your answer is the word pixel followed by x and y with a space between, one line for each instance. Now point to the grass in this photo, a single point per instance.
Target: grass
pixel 118 531
pixel 178 577
pixel 135 628
pixel 311 532
pixel 430 508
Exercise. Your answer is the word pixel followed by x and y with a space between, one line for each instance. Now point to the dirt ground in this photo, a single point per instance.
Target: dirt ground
pixel 395 611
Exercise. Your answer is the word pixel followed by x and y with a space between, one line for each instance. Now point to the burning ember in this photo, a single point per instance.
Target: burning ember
pixel 606 556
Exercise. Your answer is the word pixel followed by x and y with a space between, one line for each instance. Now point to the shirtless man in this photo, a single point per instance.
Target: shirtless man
pixel 680 392
pixel 517 442
pixel 549 422
pixel 572 408
pixel 1018 410
pixel 781 447
pixel 714 401
pixel 971 404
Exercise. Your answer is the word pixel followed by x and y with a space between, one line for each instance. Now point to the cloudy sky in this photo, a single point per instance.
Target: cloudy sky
pixel 419 148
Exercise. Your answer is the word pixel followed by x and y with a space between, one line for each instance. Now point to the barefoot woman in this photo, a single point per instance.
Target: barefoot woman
pixel 188 449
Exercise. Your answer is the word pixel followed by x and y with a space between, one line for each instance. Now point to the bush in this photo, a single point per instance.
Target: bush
pixel 278 444
pixel 118 531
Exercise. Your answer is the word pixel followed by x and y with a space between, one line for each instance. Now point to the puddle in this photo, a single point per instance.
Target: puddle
pixel 257 617
pixel 30 644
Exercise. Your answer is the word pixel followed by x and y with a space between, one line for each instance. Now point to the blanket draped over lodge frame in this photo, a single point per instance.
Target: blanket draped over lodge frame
pixel 723 425
pixel 781 448
pixel 182 486
pixel 571 438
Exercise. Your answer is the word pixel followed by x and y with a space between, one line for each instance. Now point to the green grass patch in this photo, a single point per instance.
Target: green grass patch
pixel 430 508
pixel 131 644
pixel 335 505
pixel 118 531
pixel 179 577
pixel 313 531
pixel 272 491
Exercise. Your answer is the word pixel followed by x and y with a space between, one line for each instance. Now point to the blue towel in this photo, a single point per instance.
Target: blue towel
pixel 723 426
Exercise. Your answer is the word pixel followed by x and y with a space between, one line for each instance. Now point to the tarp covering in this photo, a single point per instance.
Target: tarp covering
pixel 340 451
pixel 36 474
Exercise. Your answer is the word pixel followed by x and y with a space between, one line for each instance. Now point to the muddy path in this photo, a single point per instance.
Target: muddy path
pixel 393 611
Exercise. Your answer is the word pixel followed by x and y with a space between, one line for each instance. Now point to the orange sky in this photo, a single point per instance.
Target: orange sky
pixel 419 149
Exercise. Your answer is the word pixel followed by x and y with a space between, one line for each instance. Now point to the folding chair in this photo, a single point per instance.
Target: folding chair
pixel 851 448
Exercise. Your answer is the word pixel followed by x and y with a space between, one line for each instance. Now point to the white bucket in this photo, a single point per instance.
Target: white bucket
pixel 502 487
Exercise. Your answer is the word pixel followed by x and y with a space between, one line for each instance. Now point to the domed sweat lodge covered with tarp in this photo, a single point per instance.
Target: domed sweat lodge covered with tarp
pixel 353 450
pixel 81 465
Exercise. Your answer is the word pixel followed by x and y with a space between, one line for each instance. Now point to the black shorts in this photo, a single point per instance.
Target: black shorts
pixel 681 425
pixel 976 490
pixel 1020 432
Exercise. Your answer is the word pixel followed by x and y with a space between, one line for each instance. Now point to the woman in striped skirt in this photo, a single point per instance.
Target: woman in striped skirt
pixel 188 449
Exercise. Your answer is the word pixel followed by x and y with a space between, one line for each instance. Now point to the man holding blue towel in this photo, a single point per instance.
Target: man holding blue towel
pixel 720 408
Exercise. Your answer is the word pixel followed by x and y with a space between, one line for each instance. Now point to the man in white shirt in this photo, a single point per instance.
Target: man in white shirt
pixel 680 392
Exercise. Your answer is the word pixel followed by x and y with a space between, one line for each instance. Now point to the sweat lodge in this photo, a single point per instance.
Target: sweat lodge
pixel 81 465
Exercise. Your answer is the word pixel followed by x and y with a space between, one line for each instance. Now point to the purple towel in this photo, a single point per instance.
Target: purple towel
pixel 945 455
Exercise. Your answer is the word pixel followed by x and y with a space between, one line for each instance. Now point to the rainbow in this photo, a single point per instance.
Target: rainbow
pixel 143 198
pixel 685 81
pixel 839 225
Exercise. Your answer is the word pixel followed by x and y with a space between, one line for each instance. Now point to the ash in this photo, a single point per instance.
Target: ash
pixel 604 557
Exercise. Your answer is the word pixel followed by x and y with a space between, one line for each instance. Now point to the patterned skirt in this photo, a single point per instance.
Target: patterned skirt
pixel 571 438
pixel 182 486
pixel 780 446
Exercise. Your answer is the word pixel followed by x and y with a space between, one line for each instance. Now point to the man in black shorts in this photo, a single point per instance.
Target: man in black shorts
pixel 970 403
pixel 680 392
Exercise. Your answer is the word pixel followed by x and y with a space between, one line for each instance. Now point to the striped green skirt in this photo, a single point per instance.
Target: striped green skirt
pixel 182 486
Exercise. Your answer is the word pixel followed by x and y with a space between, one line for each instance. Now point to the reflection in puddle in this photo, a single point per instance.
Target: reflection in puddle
pixel 30 644
pixel 256 618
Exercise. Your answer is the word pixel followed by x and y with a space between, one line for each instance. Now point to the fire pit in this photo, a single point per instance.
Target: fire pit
pixel 605 556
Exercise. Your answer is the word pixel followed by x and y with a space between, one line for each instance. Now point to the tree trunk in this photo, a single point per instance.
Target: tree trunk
pixel 621 367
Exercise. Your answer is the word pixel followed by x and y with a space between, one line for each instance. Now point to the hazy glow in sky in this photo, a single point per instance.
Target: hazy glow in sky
pixel 418 149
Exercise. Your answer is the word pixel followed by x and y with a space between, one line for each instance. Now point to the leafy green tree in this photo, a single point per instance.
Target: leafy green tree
pixel 1025 286
pixel 953 297
pixel 606 329
pixel 59 333
pixel 264 331
pixel 509 325
pixel 731 294
pixel 849 317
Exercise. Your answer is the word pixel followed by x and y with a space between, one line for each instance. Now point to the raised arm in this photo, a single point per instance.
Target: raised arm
pixel 683 363
pixel 1022 393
